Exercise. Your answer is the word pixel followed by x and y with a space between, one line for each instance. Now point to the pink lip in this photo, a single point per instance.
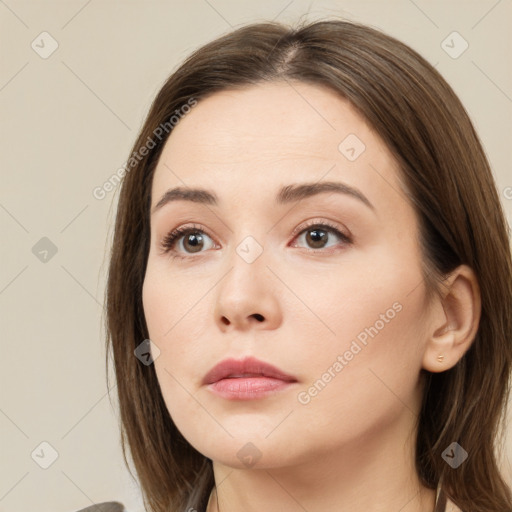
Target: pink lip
pixel 246 379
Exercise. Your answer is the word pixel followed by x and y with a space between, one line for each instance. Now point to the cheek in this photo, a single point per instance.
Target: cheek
pixel 174 312
pixel 373 299
pixel 370 295
pixel 169 313
pixel 169 300
pixel 361 377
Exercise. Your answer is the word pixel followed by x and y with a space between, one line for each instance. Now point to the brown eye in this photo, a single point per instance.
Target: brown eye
pixel 317 238
pixel 319 235
pixel 192 241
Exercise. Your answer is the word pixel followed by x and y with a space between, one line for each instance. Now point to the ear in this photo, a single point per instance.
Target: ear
pixel 455 317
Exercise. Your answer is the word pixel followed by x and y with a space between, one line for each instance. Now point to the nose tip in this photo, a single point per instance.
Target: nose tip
pixel 247 297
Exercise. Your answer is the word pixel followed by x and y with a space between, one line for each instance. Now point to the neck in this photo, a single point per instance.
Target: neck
pixel 374 473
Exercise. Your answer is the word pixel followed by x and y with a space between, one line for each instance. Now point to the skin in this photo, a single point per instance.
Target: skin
pixel 351 447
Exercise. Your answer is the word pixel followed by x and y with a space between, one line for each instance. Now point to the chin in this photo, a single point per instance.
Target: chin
pixel 251 452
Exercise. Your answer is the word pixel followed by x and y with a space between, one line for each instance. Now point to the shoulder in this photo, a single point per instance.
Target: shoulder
pixel 451 507
pixel 443 502
pixel 106 506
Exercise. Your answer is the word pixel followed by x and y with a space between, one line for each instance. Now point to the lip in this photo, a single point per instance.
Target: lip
pixel 246 379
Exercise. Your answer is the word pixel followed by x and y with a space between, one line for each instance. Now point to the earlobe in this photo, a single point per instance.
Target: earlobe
pixel 455 317
pixel 440 353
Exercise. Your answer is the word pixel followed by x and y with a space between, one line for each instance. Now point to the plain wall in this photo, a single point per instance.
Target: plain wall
pixel 68 122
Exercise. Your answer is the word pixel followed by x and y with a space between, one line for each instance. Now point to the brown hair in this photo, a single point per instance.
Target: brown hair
pixel 449 182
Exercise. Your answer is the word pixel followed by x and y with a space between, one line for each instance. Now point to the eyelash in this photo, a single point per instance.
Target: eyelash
pixel 171 238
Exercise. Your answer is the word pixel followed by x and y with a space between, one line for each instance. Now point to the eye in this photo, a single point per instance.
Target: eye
pixel 316 235
pixel 193 241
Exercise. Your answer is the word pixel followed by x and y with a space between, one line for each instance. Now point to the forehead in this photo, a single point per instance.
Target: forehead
pixel 303 118
pixel 262 136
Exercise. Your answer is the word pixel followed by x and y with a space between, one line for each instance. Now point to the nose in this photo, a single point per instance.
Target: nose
pixel 247 297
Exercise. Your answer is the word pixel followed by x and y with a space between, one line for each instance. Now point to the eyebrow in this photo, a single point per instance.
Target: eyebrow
pixel 287 194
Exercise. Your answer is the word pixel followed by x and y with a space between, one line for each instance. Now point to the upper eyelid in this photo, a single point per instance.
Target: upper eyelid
pixel 297 230
pixel 319 222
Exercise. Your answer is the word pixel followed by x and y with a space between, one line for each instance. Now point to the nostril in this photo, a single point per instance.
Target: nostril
pixel 258 317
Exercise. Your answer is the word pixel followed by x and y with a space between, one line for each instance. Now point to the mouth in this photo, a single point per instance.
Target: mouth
pixel 246 379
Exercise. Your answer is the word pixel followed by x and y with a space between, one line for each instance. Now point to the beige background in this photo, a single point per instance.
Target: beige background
pixel 68 123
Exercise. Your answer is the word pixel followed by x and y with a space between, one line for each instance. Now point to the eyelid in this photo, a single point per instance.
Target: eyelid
pixel 318 221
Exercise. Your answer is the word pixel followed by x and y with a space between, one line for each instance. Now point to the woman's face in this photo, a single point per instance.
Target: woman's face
pixel 324 284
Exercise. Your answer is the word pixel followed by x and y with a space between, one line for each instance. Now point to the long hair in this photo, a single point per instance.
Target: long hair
pixel 450 185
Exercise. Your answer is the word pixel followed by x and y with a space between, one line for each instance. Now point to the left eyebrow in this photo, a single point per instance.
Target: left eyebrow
pixel 299 191
pixel 287 194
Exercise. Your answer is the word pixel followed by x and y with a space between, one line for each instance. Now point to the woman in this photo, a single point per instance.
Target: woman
pixel 309 233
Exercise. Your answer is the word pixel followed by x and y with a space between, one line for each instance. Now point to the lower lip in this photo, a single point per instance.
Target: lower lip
pixel 250 388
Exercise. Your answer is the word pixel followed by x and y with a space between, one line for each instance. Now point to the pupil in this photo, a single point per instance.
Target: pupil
pixel 317 235
pixel 194 240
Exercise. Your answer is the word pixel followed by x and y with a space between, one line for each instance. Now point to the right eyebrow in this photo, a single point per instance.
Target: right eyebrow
pixel 196 195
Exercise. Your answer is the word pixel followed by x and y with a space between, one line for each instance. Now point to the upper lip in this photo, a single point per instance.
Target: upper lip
pixel 251 366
